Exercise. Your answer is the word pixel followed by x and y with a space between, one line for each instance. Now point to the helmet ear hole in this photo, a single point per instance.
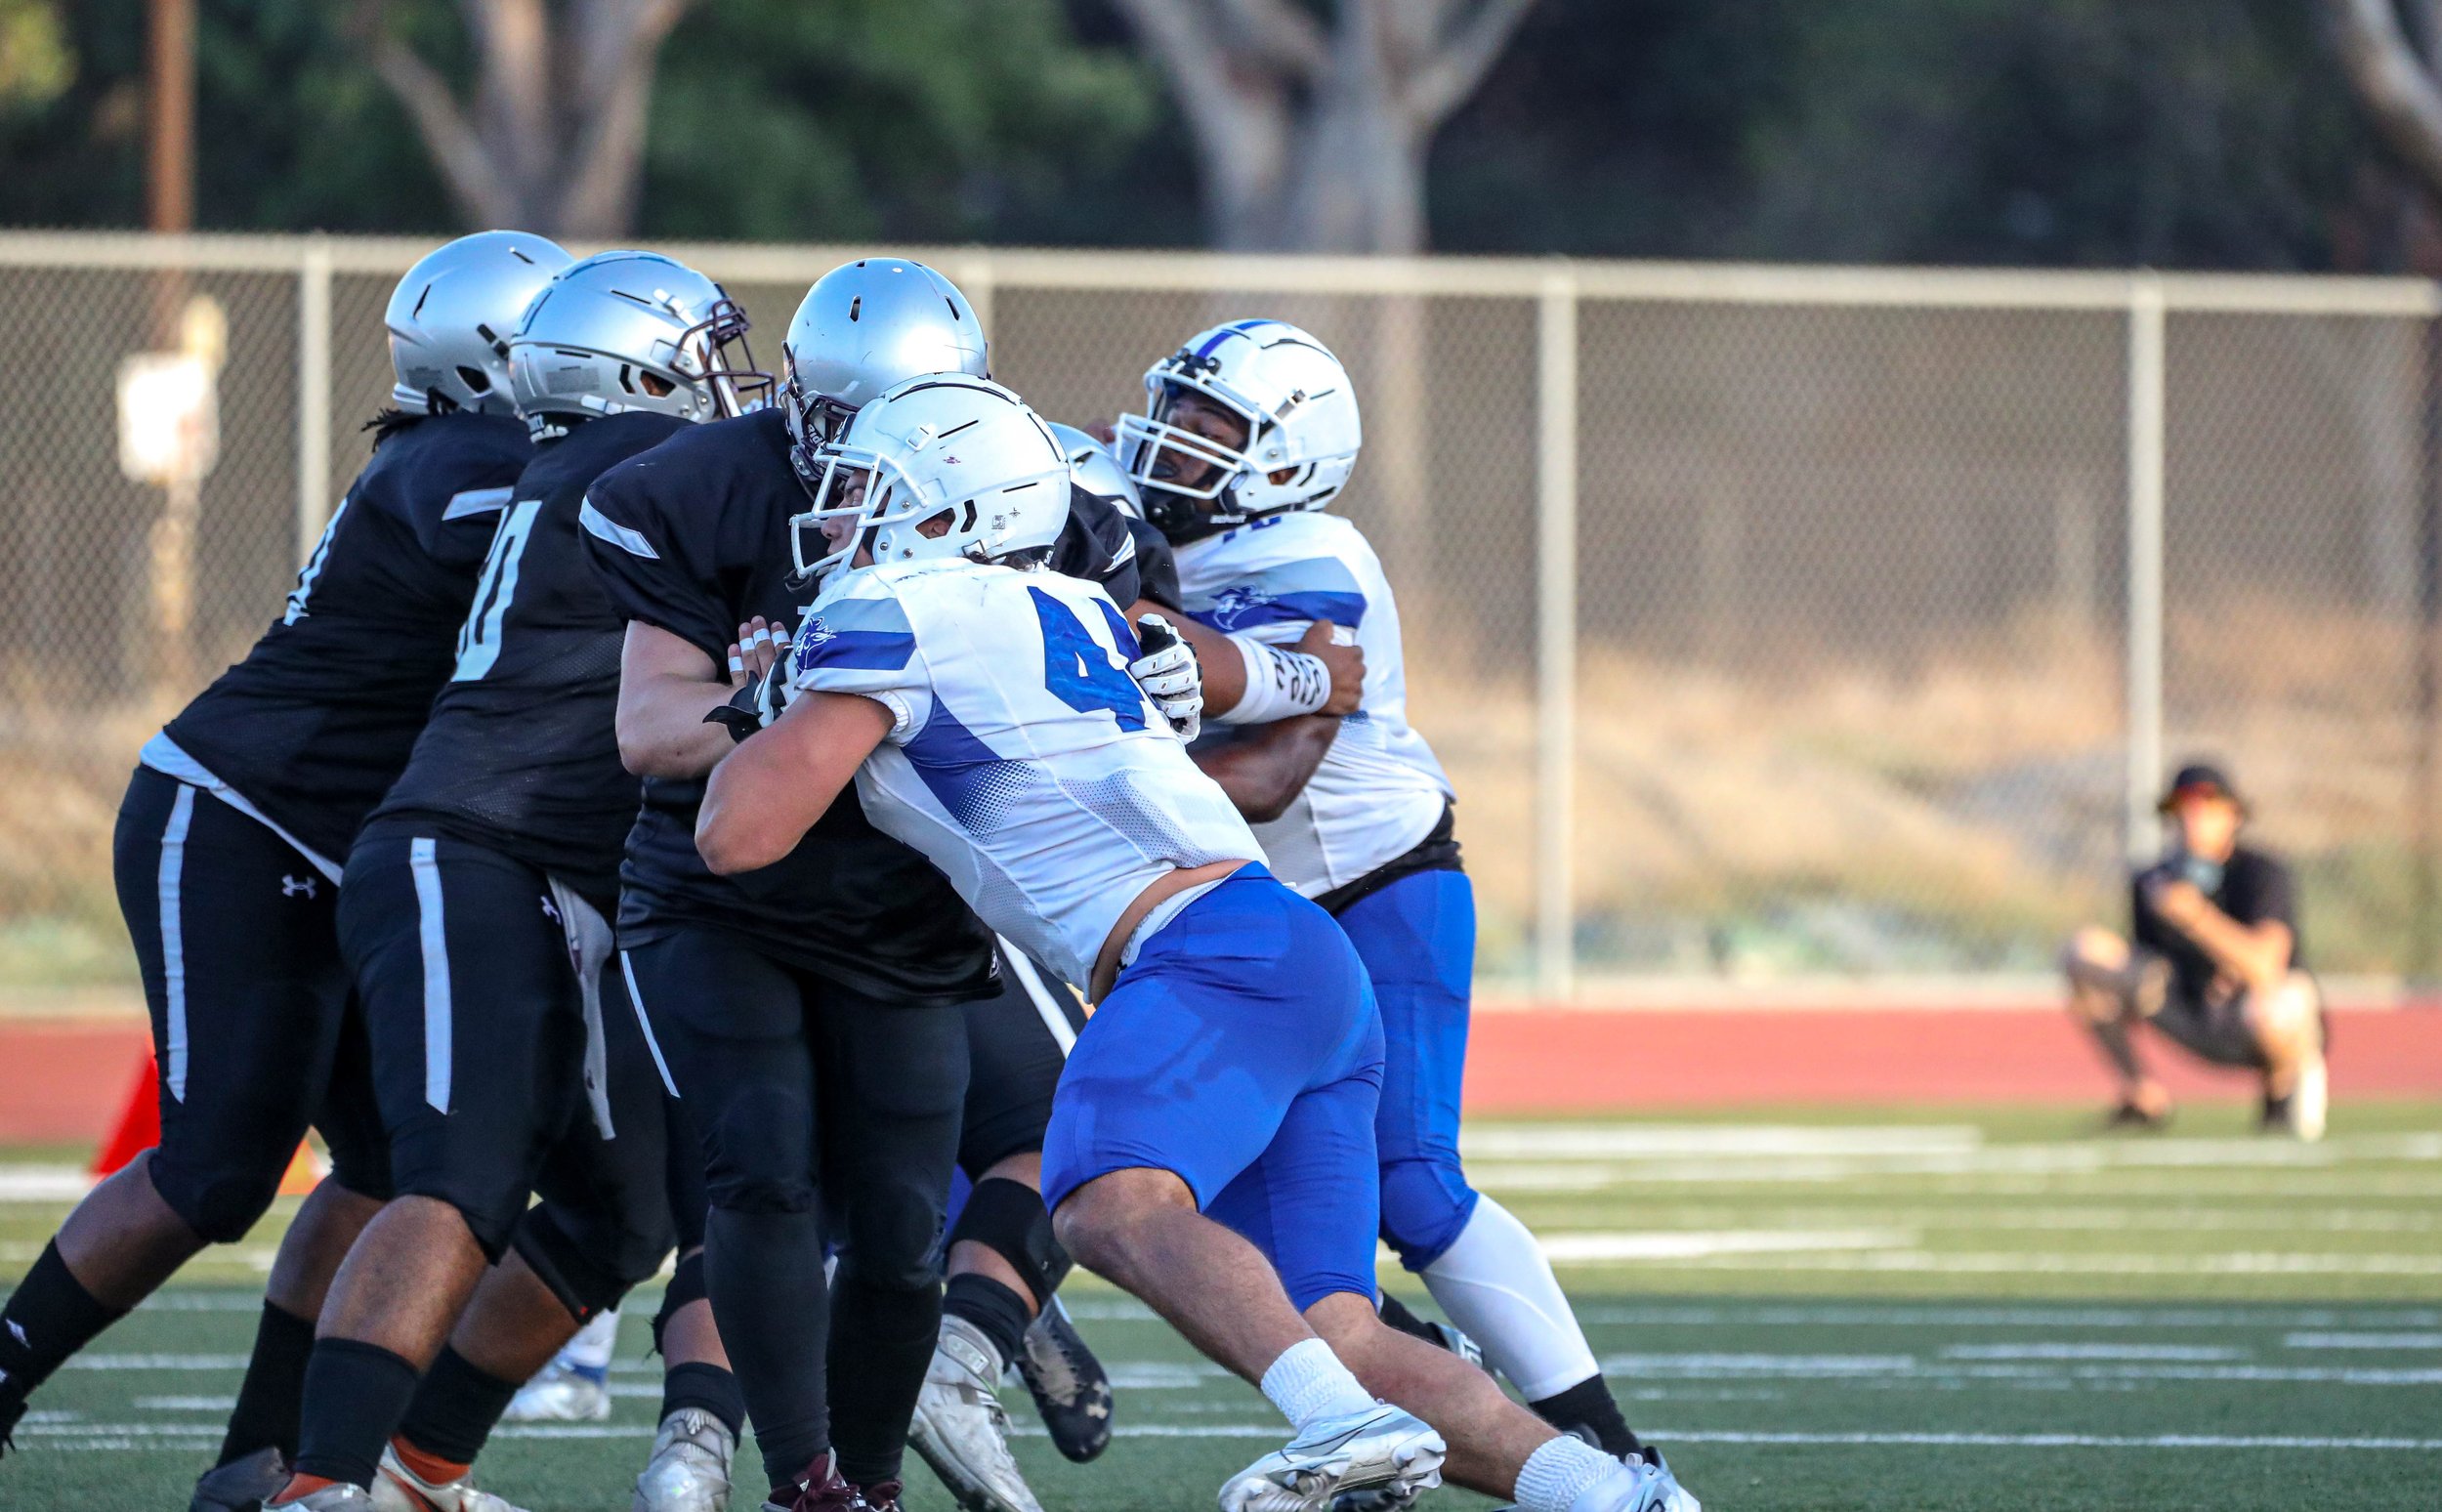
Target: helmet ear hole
pixel 475 378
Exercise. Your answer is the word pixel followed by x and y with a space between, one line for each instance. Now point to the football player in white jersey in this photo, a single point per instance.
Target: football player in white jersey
pixel 1251 431
pixel 1217 1113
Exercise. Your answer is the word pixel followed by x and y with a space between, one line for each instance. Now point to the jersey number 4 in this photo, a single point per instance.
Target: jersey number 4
pixel 1079 671
pixel 479 639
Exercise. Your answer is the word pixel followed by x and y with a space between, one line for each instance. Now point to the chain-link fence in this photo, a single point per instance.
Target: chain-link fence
pixel 1771 621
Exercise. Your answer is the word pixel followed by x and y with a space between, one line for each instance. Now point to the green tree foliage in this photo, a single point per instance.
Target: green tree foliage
pixel 2207 133
pixel 35 64
pixel 928 119
pixel 2204 133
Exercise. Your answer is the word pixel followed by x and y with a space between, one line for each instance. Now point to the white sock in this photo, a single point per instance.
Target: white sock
pixel 1495 1284
pixel 1307 1383
pixel 1559 1472
pixel 594 1344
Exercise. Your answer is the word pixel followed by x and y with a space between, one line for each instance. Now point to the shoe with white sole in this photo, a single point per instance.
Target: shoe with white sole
pixel 690 1467
pixel 960 1428
pixel 1381 1447
pixel 559 1394
pixel 398 1489
pixel 341 1497
pixel 1644 1485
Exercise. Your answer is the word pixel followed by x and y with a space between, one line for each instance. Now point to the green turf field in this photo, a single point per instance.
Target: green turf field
pixel 1809 1310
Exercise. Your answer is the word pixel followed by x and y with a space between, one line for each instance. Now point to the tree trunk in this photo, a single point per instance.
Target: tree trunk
pixel 554 138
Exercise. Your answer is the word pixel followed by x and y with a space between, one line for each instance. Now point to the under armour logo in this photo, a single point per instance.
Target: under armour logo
pixel 296 887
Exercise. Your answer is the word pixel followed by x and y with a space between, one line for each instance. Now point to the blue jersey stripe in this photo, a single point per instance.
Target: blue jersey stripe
pixel 868 651
pixel 1340 609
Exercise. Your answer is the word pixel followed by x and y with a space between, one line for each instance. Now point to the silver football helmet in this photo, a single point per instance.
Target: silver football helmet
pixel 865 328
pixel 945 443
pixel 1093 469
pixel 451 316
pixel 624 331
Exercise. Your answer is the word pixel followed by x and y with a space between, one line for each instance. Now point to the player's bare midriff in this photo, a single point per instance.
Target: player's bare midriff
pixel 1170 885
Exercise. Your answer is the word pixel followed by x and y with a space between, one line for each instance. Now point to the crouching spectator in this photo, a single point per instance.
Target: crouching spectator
pixel 2212 963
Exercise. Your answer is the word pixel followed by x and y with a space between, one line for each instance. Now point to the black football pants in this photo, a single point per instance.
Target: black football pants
pixel 252 1024
pixel 822 1112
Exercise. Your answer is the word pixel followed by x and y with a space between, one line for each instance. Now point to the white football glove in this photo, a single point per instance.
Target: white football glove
pixel 1170 675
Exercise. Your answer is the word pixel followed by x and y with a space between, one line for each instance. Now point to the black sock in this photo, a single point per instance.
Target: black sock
pixel 1589 1407
pixel 274 1391
pixel 455 1409
pixel 997 1311
pixel 708 1388
pixel 1395 1313
pixel 882 1342
pixel 356 1393
pixel 50 1317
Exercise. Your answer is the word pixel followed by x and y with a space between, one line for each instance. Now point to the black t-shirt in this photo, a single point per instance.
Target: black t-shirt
pixel 522 752
pixel 696 541
pixel 2254 888
pixel 316 723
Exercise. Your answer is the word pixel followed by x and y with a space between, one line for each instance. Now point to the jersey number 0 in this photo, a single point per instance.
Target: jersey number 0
pixel 479 639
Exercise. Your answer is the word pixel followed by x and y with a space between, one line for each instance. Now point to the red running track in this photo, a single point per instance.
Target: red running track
pixel 64 1083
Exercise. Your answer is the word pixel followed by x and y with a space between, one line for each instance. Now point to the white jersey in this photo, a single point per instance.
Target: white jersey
pixel 1021 760
pixel 1381 792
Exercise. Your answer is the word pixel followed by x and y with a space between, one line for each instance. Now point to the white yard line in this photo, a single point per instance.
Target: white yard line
pixel 2363 1341
pixel 1668 1245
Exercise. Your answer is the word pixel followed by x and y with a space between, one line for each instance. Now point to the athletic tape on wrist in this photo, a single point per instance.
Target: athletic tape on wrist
pixel 1280 684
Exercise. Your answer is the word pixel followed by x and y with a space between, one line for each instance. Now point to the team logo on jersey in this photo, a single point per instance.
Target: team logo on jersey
pixel 813 633
pixel 1233 605
pixel 295 887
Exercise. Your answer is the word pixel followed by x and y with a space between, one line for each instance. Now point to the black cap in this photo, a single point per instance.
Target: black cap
pixel 2199 776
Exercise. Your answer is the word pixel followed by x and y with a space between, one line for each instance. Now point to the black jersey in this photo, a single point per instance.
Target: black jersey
pixel 2252 887
pixel 696 541
pixel 315 723
pixel 522 752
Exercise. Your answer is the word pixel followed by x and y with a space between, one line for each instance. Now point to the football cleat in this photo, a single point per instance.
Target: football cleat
pixel 819 1489
pixel 398 1489
pixel 12 1407
pixel 1381 1447
pixel 341 1497
pixel 960 1428
pixel 690 1467
pixel 1644 1485
pixel 1069 1387
pixel 242 1485
pixel 880 1496
pixel 559 1394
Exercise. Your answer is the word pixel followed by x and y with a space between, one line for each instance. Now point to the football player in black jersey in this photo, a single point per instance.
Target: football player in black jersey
pixel 228 857
pixel 473 919
pixel 765 1024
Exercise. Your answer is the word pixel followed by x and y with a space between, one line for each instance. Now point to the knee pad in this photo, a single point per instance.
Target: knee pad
pixel 1008 1218
pixel 588 1265
pixel 687 1285
pixel 219 1206
pixel 1426 1203
pixel 762 1193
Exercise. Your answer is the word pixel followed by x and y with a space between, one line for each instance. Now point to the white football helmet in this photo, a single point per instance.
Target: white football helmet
pixel 864 328
pixel 1301 419
pixel 625 331
pixel 1094 470
pixel 944 443
pixel 451 316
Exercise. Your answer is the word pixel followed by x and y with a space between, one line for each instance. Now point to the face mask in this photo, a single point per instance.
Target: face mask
pixel 2205 874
